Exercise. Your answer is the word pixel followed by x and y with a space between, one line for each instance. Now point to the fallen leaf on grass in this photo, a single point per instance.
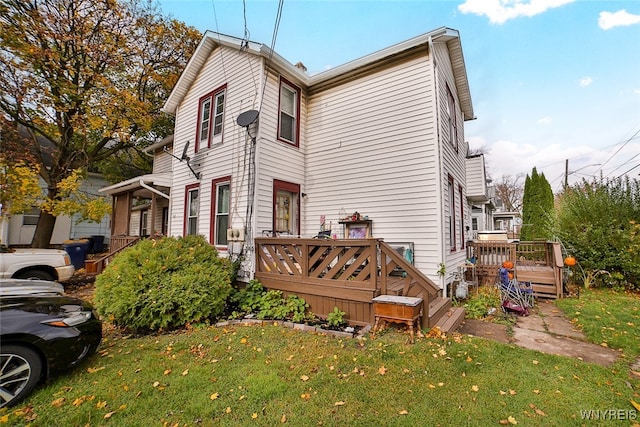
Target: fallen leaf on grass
pixel 58 402
pixel 304 378
pixel 382 370
pixel 228 410
pixel 185 372
pixel 403 412
pixel 635 405
pixel 283 419
pixel 214 396
pixel 109 415
pixel 509 420
pixel 341 403
pixel 254 415
pixel 305 396
pixel 166 372
pixel 94 370
pixel 475 388
pixel 101 404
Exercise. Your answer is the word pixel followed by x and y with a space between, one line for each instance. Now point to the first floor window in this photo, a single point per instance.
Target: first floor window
pixel 452 214
pixel 144 223
pixel 192 208
pixel 221 190
pixel 165 221
pixel 461 217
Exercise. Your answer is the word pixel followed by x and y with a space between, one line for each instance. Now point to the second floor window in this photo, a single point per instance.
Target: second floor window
pixel 210 118
pixel 289 120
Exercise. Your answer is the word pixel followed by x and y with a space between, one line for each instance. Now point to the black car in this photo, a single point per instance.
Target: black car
pixel 41 332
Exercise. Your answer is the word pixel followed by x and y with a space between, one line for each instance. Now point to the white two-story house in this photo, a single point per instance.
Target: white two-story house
pixel 262 147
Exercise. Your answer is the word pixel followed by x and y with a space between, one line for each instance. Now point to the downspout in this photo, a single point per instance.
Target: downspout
pixel 441 249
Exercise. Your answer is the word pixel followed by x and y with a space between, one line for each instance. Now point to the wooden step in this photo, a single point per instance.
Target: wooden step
pixel 545 290
pixel 451 320
pixel 438 307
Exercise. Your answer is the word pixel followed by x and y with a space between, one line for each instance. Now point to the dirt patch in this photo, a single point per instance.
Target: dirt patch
pixel 81 285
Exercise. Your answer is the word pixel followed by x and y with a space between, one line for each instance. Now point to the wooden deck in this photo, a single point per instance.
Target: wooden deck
pixel 537 262
pixel 348 274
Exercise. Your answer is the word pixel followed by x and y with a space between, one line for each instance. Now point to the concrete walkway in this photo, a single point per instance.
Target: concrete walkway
pixel 546 330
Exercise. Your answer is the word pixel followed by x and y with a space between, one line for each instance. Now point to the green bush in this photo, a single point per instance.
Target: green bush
pixel 599 223
pixel 247 299
pixel 253 298
pixel 165 283
pixel 335 319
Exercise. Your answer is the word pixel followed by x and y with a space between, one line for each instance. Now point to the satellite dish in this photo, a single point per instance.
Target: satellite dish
pixel 246 118
pixel 184 152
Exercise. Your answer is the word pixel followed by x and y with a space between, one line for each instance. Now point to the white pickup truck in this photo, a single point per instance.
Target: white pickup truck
pixel 45 264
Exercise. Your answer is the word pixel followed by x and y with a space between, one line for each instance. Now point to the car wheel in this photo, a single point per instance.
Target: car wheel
pixel 35 274
pixel 20 369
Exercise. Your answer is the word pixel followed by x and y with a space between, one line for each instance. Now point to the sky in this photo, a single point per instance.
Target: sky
pixel 551 80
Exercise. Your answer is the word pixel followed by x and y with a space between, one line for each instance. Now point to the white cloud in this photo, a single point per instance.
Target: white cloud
pixel 586 81
pixel 620 18
pixel 500 11
pixel 545 120
pixel 636 91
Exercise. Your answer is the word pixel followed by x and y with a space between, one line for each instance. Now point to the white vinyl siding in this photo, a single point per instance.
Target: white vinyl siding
pixel 162 160
pixel 372 149
pixel 276 160
pixel 241 94
pixel 454 150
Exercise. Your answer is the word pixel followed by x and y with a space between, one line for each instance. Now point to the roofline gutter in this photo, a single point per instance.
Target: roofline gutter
pixel 153 190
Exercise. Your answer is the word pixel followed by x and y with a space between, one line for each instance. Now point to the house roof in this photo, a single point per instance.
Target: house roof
pixel 212 40
pixel 155 179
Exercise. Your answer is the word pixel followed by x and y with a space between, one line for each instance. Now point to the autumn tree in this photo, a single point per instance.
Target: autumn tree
pixel 88 77
pixel 537 208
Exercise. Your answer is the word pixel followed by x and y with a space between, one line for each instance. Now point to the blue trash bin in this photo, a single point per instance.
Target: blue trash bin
pixel 77 250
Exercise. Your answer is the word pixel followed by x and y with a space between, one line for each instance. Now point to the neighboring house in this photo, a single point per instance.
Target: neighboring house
pixel 382 135
pixel 141 204
pixel 479 197
pixel 18 230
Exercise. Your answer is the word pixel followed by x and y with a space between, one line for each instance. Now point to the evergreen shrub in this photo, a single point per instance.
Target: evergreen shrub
pixel 164 283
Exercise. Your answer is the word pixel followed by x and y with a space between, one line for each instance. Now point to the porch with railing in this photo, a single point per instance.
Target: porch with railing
pixel 348 274
pixel 116 245
pixel 538 262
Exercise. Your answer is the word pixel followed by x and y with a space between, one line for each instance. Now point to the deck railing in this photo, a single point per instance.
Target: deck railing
pixel 489 256
pixel 346 274
pixel 95 266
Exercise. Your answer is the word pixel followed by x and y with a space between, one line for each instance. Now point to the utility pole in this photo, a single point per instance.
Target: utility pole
pixel 566 173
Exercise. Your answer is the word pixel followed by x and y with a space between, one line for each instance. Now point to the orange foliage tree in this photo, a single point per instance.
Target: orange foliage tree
pixel 86 80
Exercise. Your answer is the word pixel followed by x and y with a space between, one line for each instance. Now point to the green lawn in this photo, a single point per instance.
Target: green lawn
pixel 270 375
